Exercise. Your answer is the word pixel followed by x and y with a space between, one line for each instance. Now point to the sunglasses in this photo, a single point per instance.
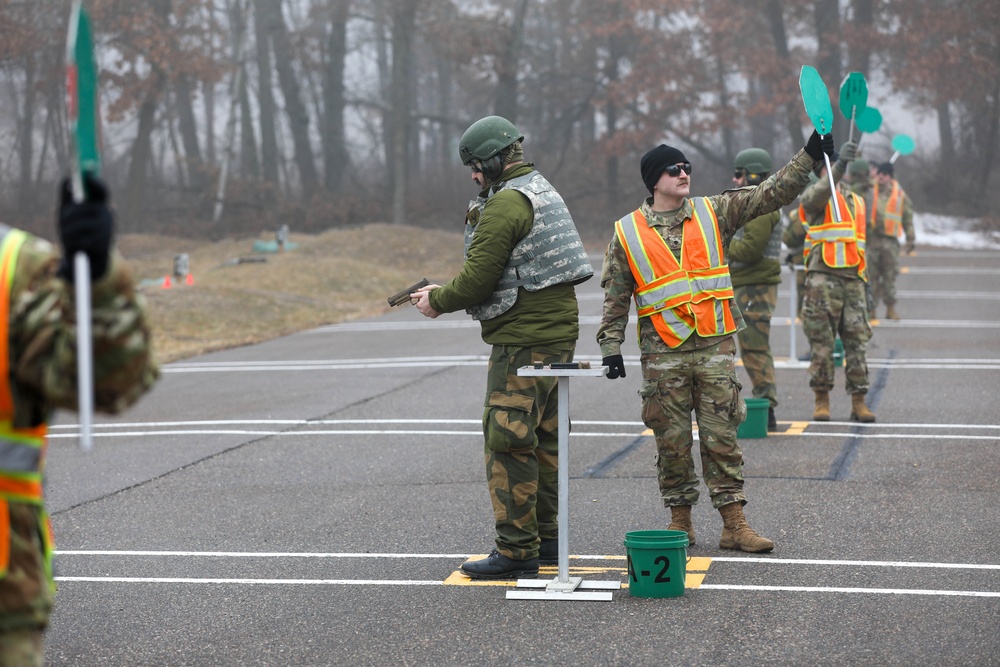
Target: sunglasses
pixel 476 166
pixel 738 174
pixel 674 170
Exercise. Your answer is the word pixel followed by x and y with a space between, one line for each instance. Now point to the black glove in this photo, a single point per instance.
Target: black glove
pixel 616 366
pixel 819 144
pixel 86 227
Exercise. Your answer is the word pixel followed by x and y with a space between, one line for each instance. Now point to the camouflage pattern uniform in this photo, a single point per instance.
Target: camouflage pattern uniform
pixel 43 377
pixel 700 374
pixel 520 416
pixel 883 250
pixel 794 238
pixel 756 273
pixel 836 303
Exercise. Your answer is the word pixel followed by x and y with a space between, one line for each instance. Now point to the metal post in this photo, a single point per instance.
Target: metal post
pixel 563 587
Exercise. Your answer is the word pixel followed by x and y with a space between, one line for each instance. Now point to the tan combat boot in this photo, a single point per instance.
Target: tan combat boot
pixel 680 519
pixel 860 411
pixel 736 534
pixel 821 413
pixel 890 312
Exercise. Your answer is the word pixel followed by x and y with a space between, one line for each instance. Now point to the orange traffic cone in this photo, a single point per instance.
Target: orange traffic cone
pixel 166 283
pixel 189 279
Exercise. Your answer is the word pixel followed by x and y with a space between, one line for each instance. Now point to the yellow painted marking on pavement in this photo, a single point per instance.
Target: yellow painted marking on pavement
pixel 693 579
pixel 796 428
pixel 648 431
pixel 698 563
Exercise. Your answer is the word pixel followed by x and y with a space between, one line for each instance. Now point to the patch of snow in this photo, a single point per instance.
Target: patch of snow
pixel 945 231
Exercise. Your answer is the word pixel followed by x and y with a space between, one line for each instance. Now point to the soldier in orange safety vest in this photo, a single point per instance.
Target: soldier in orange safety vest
pixel 38 373
pixel 668 255
pixel 889 218
pixel 836 298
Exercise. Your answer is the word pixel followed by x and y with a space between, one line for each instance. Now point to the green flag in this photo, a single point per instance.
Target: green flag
pixel 81 91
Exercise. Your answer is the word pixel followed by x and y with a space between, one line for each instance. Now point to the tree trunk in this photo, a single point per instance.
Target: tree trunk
pixel 26 133
pixel 505 103
pixel 828 35
pixel 861 35
pixel 776 21
pixel 265 95
pixel 295 110
pixel 403 25
pixel 335 155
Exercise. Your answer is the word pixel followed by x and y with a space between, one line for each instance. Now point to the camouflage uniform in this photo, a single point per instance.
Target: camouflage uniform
pixel 700 374
pixel 883 250
pixel 43 376
pixel 520 416
pixel 756 272
pixel 836 303
pixel 793 237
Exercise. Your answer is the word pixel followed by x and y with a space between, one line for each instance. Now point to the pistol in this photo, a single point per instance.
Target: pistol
pixel 402 297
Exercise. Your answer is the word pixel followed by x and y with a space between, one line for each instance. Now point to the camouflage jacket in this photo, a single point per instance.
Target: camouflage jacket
pixel 814 201
pixel 549 316
pixel 754 250
pixel 734 209
pixel 43 338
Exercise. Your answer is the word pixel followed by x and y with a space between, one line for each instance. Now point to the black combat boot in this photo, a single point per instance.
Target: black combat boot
pixel 772 422
pixel 548 551
pixel 498 566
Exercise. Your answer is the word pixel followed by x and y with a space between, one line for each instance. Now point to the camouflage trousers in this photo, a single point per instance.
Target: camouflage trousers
pixel 834 306
pixel 704 381
pixel 521 431
pixel 757 304
pixel 882 259
pixel 26 590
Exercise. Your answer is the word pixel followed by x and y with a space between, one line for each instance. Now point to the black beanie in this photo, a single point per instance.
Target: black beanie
pixel 655 161
pixel 885 168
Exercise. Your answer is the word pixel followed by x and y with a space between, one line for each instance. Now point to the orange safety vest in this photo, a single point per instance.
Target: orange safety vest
pixel 892 217
pixel 693 295
pixel 22 450
pixel 843 242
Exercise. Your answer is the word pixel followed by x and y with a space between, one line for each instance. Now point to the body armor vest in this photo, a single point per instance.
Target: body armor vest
pixel 551 253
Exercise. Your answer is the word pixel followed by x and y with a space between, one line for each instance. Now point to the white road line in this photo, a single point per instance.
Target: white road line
pixel 297 582
pixel 433 556
pixel 480 361
pixel 576 422
pixel 832 589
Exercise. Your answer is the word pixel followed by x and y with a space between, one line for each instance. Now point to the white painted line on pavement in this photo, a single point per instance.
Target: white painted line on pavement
pixel 833 589
pixel 297 582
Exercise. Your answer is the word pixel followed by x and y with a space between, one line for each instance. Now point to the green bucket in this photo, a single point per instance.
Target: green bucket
pixel 755 424
pixel 657 563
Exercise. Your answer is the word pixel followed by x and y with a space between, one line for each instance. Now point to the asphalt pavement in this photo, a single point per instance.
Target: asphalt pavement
pixel 308 501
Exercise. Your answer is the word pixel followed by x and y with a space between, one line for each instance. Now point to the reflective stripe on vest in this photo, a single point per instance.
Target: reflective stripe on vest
pixel 22 450
pixel 892 217
pixel 843 243
pixel 687 296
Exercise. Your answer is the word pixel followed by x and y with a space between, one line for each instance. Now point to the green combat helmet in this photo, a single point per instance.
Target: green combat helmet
pixel 858 167
pixel 483 142
pixel 756 162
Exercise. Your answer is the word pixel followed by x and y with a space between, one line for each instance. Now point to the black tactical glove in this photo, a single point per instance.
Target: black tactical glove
pixel 86 227
pixel 819 144
pixel 616 366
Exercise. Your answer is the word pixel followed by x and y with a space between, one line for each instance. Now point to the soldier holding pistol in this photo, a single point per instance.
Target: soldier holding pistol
pixel 523 256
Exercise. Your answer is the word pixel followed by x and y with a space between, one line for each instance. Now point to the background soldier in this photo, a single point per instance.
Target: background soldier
pixel 668 256
pixel 889 218
pixel 754 266
pixel 40 374
pixel 836 300
pixel 523 256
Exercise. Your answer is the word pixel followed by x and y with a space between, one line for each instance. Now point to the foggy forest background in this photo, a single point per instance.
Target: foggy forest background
pixel 324 113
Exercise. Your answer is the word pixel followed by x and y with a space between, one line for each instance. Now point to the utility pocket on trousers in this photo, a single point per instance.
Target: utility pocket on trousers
pixel 508 424
pixel 653 415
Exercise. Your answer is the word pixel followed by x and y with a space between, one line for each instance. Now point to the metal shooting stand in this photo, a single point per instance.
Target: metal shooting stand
pixel 563 587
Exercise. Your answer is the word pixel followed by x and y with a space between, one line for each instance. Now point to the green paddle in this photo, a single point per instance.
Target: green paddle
pixel 816 100
pixel 853 98
pixel 81 95
pixel 903 145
